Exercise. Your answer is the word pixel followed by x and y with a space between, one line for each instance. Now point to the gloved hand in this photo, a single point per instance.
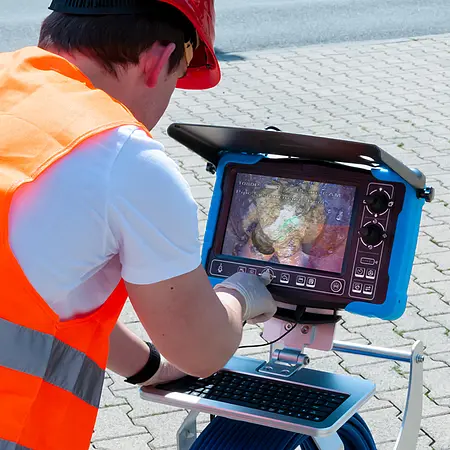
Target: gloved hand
pixel 166 373
pixel 259 303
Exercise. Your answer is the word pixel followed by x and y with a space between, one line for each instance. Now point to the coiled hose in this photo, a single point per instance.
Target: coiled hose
pixel 226 434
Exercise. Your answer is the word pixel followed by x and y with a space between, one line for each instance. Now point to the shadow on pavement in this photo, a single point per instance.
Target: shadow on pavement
pixel 227 57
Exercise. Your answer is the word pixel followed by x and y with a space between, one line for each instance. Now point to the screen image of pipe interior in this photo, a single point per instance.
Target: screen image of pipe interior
pixel 292 222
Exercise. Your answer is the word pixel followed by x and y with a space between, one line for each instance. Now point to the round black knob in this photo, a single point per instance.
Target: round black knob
pixel 378 202
pixel 372 234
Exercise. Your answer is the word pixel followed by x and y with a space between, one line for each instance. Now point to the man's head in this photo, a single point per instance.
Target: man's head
pixel 136 54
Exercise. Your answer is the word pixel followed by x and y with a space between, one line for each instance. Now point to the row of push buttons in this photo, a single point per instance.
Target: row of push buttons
pixel 359 288
pixel 326 284
pixel 303 281
pixel 251 270
pixel 285 278
pixel 362 272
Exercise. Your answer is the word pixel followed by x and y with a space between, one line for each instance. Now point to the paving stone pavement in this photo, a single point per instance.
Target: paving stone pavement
pixel 395 94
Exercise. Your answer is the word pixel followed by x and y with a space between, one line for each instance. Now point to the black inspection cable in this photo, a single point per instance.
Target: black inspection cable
pixel 269 343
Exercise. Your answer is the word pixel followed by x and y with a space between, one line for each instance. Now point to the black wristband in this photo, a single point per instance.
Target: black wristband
pixel 150 368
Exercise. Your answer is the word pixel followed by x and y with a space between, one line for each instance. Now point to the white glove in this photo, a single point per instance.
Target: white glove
pixel 259 304
pixel 166 373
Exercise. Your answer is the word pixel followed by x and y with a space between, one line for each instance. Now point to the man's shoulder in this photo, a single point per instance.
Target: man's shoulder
pixel 129 136
pixel 142 162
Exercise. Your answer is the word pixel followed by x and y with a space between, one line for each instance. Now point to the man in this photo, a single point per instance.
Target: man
pixel 93 211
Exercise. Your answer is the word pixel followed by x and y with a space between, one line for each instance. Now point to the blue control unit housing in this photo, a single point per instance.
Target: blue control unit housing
pixel 403 249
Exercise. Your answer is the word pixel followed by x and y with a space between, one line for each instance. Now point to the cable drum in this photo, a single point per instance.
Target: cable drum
pixel 227 434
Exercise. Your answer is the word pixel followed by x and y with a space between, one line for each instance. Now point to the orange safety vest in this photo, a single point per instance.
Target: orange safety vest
pixel 51 372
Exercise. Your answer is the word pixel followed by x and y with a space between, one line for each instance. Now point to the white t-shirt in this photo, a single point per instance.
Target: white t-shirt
pixel 117 206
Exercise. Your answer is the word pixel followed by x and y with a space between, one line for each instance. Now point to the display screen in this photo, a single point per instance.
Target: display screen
pixel 286 221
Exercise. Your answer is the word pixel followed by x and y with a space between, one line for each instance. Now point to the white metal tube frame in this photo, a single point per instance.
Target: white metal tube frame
pixel 409 432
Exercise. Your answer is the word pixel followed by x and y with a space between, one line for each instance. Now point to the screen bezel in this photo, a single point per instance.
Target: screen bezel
pixel 301 171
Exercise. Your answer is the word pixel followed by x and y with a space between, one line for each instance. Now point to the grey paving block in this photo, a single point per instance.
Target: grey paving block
pixel 398 399
pixel 437 428
pixel 163 428
pixel 430 304
pixel 142 408
pixel 444 320
pixel 442 358
pixel 428 221
pixel 386 375
pixel 193 161
pixel 443 289
pixel 118 383
pixel 108 398
pixel 383 424
pixel 438 208
pixel 423 443
pixel 428 273
pixel 426 245
pixel 429 363
pixel 384 335
pixel 327 364
pixel 412 320
pixel 375 404
pixel 128 315
pixel 434 339
pixel 440 233
pixel 113 422
pixel 249 338
pixel 137 442
pixel 414 288
pixel 437 382
pixel 138 329
pixel 342 334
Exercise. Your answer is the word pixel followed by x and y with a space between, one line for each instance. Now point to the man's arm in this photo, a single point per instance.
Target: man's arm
pixel 196 329
pixel 127 353
pixel 153 217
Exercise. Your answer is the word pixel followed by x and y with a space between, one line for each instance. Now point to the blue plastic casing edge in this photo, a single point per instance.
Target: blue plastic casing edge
pixel 216 201
pixel 402 255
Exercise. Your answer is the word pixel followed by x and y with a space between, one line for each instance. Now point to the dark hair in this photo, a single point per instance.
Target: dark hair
pixel 117 40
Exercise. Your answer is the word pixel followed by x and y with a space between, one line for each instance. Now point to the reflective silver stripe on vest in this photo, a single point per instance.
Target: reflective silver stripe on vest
pixel 44 356
pixel 7 445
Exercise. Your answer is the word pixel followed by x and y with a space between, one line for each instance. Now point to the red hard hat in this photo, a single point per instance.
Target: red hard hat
pixel 204 70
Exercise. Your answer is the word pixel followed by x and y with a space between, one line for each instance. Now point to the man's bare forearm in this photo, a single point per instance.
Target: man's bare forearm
pixel 127 353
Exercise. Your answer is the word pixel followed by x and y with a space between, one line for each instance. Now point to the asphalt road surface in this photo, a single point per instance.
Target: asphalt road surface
pixel 244 25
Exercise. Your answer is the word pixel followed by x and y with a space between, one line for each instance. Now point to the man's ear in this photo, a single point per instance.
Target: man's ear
pixel 154 62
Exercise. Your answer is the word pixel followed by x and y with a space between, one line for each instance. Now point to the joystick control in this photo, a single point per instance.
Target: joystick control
pixel 378 202
pixel 372 234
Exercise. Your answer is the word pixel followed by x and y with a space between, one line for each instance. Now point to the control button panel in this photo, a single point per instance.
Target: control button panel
pixel 280 277
pixel 368 289
pixel 336 286
pixel 284 278
pixel 371 274
pixel 372 234
pixel 367 261
pixel 357 288
pixel 379 199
